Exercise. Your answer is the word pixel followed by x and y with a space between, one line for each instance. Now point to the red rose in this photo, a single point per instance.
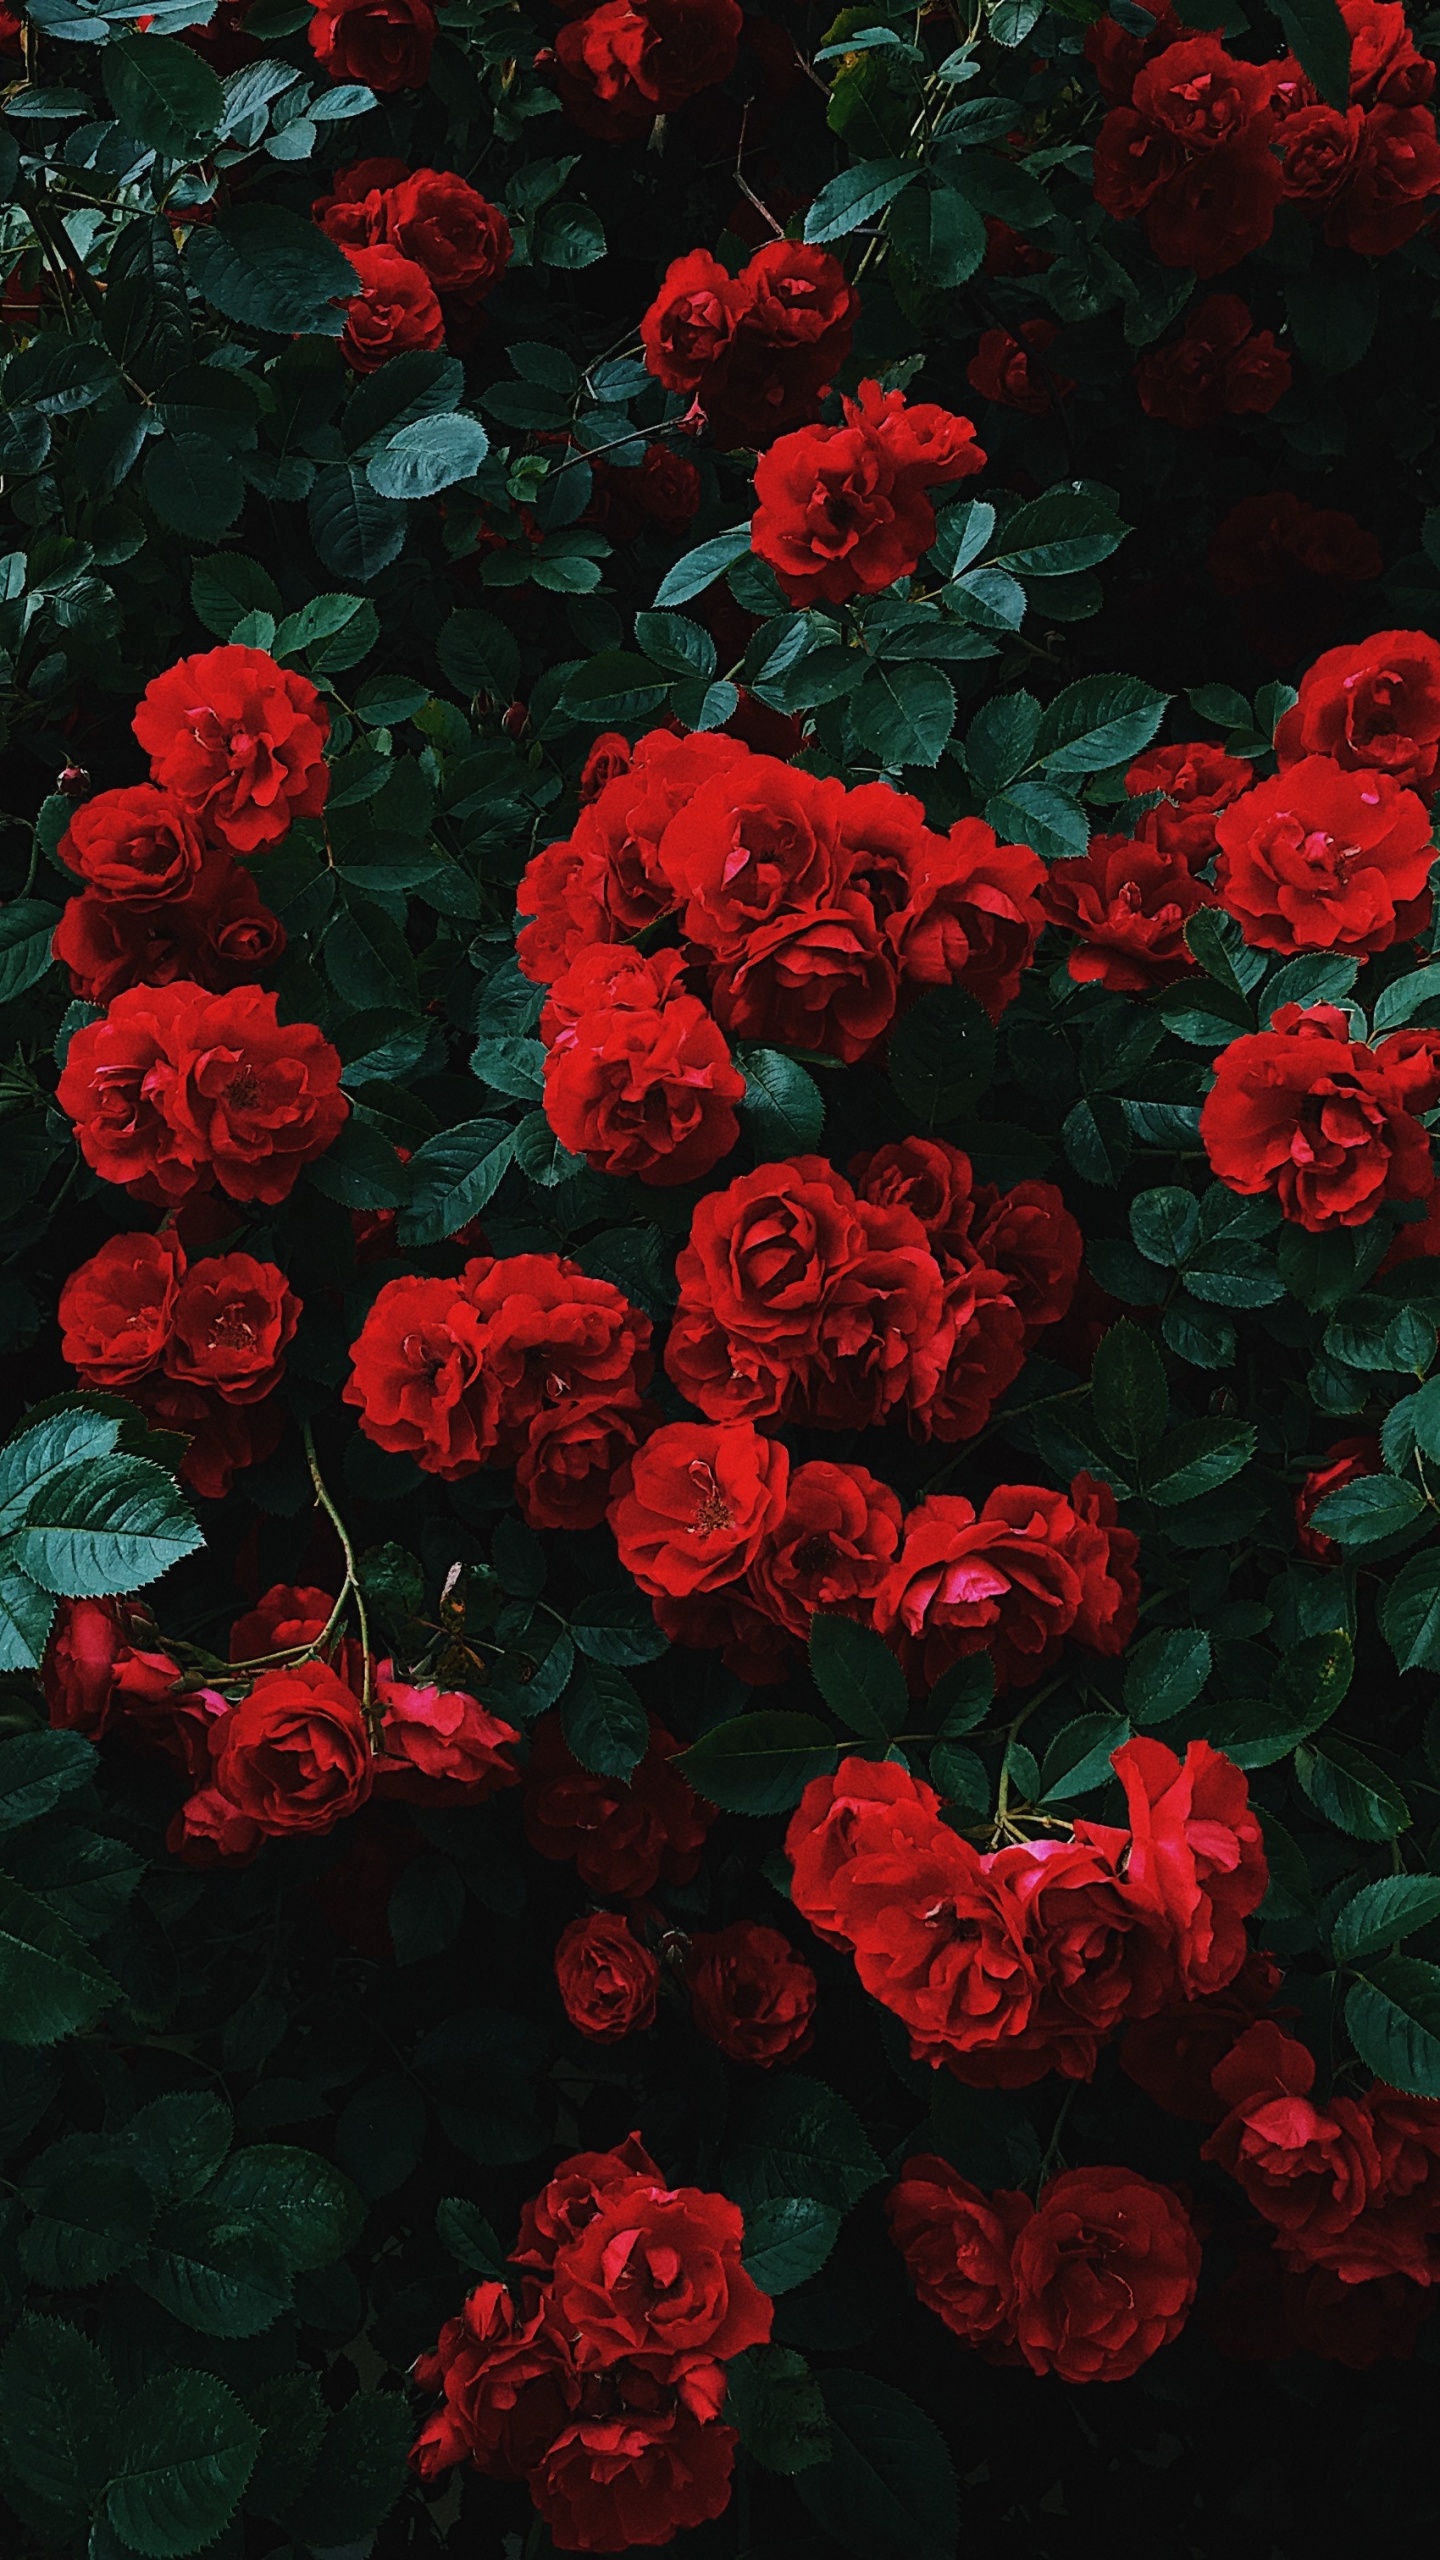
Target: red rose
pixel 232 1320
pixel 176 1090
pixel 287 1615
pixel 1079 1930
pixel 552 1333
pixel 1172 2054
pixel 691 321
pixel 1197 1865
pixel 1117 53
pixel 1202 95
pixel 841 1818
pixel 1002 370
pixel 1318 1118
pixel 798 1300
pixel 930 1178
pixel 793 315
pixel 94 1666
pixel 1216 210
pixel 607 1980
pixel 755 843
pixel 1028 1236
pixel 394 311
pixel 750 1993
pixel 1344 1462
pixel 1395 180
pixel 695 1505
pixel 655 2275
pixel 641 1081
pixel 640 2461
pixel 821 981
pixel 1399 2230
pixel 623 1835
pixel 508 2387
pixel 1129 903
pixel 628 61
pixel 958 2245
pixel 386 44
pixel 571 2198
pixel 839 1530
pixel 1385 65
pixel 449 229
pixel 418 1378
pixel 564 1473
pixel 607 881
pixel 356 213
pixel 1319 146
pixel 1011 1580
pixel 610 755
pixel 1374 707
pixel 1310 2170
pixel 1196 780
pixel 842 510
pixel 140 843
pixel 218 934
pixel 117 1311
pixel 209 1831
pixel 239 742
pixel 1264 541
pixel 1322 859
pixel 1222 366
pixel 294 1755
pixel 1105 2272
pixel 980 1349
pixel 222 1439
pixel 972 916
pixel 435 1742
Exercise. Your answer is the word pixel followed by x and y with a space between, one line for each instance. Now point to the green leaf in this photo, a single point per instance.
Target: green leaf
pixel 1054 536
pixel 37 1770
pixel 787 2240
pixel 1099 722
pixel 453 1176
pixel 1317 34
pixel 1039 814
pixel 962 1696
pixel 1350 1791
pixel 1165 1673
pixel 855 196
pixel 759 1763
pixel 618 1627
pixel 772 2397
pixel 309 2208
pixel 224 2277
pixel 960 1775
pixel 462 2229
pixel 367 958
pixel 941 1055
pixel 59 2413
pixel 50 1984
pixel 109 1524
pixel 1165 1224
pixel 1197 1457
pixel 1361 1515
pixel 795 2137
pixel 904 714
pixel 356 532
pixel 266 268
pixel 224 589
pixel 178 2142
pixel 1394 2023
pixel 361 1169
pixel 783 1108
pixel 857 1674
pixel 1128 1391
pixel 1079 1757
pixel 604 1722
pixel 887 2491
pixel 479 655
pixel 938 234
pixel 164 94
pixel 696 570
pixel 359 2474
pixel 427 455
pixel 37 1456
pixel 614 685
pixel 92 2212
pixel 193 484
pixel 26 927
pixel 188 2450
pixel 1410 1611
pixel 1380 1913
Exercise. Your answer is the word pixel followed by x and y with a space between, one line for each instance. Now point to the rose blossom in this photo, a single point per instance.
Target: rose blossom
pixel 237 741
pixel 607 1980
pixel 1317 1117
pixel 1105 2272
pixel 750 1993
pixel 958 2245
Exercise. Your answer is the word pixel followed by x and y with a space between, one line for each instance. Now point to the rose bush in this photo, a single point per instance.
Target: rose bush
pixel 719 1567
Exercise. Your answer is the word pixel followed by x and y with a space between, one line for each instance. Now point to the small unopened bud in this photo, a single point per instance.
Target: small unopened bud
pixel 516 720
pixel 74 781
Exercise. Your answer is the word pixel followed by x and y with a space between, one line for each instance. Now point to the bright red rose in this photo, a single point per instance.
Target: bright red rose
pixel 507 2383
pixel 1318 1118
pixel 574 1451
pixel 1343 1463
pixel 607 881
pixel 689 325
pixel 419 1381
pixel 1221 366
pixel 552 1333
pixel 795 319
pixel 218 934
pixel 1310 2170
pixel 958 2246
pixel 177 1090
pixel 1105 2271
pixel 1391 191
pixel 640 2461
pixel 623 1834
pixel 655 2275
pixel 294 1754
pixel 394 311
pixel 97 1664
pixel 1197 1865
pixel 1374 707
pixel 830 1548
pixel 750 1992
pixel 1196 780
pixel 1004 369
pixel 972 916
pixel 980 1349
pixel 696 1504
pixel 756 843
pixel 1130 904
pixel 644 1087
pixel 629 61
pixel 608 1981
pixel 1172 2055
pixel 139 843
pixel 387 44
pixel 1319 858
pixel 117 1311
pixel 449 229
pixel 288 1614
pixel 930 1178
pixel 841 1818
pixel 232 1320
pixel 822 981
pixel 355 214
pixel 435 1742
pixel 1079 1931
pixel 209 1831
pixel 842 510
pixel 1029 1237
pixel 237 741
pixel 571 2198
pixel 1011 1580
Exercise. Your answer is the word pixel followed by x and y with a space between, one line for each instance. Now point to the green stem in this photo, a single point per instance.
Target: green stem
pixel 351 1590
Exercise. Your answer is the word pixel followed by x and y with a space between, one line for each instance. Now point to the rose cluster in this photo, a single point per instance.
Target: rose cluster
pixel 1087 2283
pixel 757 352
pixel 602 2385
pixel 426 248
pixel 1009 1963
pixel 624 1836
pixel 618 66
pixel 805 911
pixel 237 751
pixel 523 1361
pixel 750 1994
pixel 198 1346
pixel 845 511
pixel 1205 148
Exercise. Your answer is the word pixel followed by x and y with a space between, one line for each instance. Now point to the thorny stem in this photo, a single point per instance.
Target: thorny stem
pixel 351 1588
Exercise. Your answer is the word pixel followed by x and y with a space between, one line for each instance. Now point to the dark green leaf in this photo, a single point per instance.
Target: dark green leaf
pixel 604 1722
pixel 453 1176
pixel 759 1763
pixel 188 2448
pixel 1128 1391
pixel 795 2138
pixel 268 269
pixel 1349 1790
pixel 857 1674
pixel 163 93
pixel 774 2401
pixel 1381 1913
pixel 887 2491
pixel 942 1055
pixel 58 2414
pixel 787 2240
pixel 1165 1673
pixel 783 1106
